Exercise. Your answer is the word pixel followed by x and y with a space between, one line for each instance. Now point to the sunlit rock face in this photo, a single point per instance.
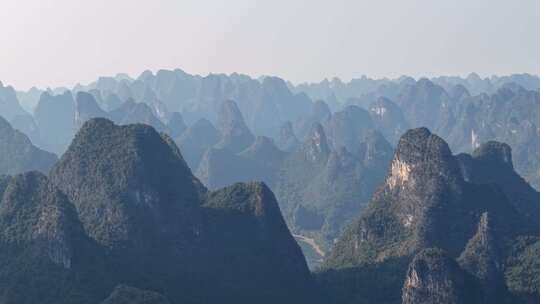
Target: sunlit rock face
pixel 465 206
pixel 434 277
pixel 423 193
pixel 316 146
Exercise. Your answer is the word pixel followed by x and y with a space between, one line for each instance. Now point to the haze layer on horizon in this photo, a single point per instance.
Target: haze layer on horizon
pixel 49 43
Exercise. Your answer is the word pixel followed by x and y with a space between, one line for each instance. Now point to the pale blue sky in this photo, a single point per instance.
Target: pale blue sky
pixel 61 42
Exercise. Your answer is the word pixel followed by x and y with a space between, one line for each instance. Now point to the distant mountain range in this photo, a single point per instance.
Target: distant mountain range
pixel 464 111
pixel 214 118
pixel 169 185
pixel 18 154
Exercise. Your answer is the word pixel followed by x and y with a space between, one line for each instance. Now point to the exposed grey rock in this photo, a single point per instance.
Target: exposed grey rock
pixel 434 277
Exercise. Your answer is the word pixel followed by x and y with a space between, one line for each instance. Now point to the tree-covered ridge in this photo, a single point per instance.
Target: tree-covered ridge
pixel 245 221
pixel 434 277
pixel 46 254
pixel 121 208
pixel 132 176
pixel 320 189
pixel 142 208
pixel 427 202
pixel 202 113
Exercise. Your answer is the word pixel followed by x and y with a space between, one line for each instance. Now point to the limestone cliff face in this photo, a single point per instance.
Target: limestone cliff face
pixel 421 156
pixel 434 277
pixel 413 207
pixel 429 201
pixel 483 258
pixel 316 147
